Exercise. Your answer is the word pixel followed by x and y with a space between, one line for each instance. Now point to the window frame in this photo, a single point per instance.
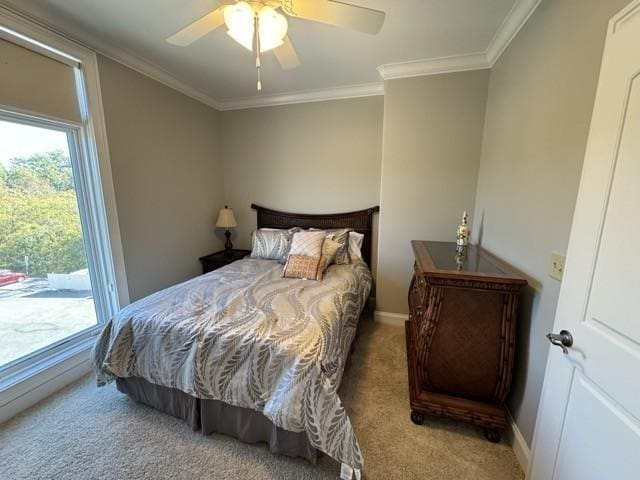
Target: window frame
pixel 98 255
pixel 94 191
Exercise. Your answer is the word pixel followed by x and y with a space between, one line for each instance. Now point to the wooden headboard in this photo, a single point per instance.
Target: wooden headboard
pixel 360 221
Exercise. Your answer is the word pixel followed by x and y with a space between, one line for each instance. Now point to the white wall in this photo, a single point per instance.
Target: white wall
pixel 167 176
pixel 431 154
pixel 79 280
pixel 541 95
pixel 321 157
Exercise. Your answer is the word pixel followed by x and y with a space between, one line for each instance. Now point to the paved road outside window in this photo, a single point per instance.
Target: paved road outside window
pixel 33 316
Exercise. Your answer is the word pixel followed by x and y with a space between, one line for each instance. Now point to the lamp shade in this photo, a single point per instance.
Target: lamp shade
pixel 272 28
pixel 240 20
pixel 226 218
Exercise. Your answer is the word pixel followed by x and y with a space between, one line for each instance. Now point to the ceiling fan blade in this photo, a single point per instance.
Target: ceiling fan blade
pixel 198 29
pixel 338 13
pixel 286 55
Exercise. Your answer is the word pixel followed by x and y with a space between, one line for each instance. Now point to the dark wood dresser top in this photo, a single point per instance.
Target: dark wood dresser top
pixel 442 260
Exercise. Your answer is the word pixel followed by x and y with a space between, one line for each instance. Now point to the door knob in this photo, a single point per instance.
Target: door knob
pixel 564 339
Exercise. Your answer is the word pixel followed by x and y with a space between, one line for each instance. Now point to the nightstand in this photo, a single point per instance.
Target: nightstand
pixel 220 259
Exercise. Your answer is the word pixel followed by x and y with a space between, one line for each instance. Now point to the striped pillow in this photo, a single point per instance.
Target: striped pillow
pixel 342 238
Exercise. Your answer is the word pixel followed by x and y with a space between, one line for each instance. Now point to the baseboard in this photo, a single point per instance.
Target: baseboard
pixel 518 443
pixel 388 318
pixel 28 392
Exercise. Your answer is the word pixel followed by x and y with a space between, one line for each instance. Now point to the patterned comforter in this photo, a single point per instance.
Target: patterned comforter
pixel 246 336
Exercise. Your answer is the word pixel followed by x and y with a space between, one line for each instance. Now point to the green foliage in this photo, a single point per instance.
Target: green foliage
pixel 54 168
pixel 25 180
pixel 39 216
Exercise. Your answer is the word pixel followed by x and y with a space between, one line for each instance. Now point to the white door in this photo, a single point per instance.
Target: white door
pixel 588 426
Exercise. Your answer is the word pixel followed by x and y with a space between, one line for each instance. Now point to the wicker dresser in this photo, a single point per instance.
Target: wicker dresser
pixel 461 334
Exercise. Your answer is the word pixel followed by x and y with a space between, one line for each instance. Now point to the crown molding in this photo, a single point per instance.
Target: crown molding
pixel 303 96
pixel 509 28
pixel 86 39
pixel 154 72
pixel 433 66
pixel 511 25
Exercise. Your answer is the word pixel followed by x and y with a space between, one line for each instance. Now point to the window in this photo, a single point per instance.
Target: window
pixel 61 264
pixel 45 284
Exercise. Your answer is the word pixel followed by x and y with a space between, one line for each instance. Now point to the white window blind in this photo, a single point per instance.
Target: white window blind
pixel 37 83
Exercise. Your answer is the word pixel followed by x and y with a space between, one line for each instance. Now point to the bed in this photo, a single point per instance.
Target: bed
pixel 244 352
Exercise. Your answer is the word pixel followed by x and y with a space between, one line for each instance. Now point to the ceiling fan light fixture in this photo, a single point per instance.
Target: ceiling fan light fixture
pixel 243 39
pixel 272 27
pixel 239 19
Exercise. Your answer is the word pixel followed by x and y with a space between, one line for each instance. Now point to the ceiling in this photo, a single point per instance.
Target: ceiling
pixel 219 69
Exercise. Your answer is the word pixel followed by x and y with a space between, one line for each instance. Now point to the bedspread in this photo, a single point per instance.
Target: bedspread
pixel 246 336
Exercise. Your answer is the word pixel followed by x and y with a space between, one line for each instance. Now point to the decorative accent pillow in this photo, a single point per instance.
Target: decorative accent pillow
pixel 329 250
pixel 303 266
pixel 341 236
pixel 271 244
pixel 307 243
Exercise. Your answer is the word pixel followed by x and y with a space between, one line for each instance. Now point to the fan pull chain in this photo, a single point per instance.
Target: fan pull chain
pixel 257 44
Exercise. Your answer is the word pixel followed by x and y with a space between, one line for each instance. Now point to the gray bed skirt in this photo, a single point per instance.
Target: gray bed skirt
pixel 213 416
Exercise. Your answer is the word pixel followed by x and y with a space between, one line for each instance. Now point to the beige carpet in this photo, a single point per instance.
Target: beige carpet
pixel 85 433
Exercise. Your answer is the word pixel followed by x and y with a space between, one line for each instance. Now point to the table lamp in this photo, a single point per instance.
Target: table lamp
pixel 226 220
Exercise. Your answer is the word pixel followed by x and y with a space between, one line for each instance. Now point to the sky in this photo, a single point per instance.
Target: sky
pixel 17 140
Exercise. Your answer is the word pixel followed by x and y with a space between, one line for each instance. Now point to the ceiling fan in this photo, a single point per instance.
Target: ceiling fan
pixel 259 26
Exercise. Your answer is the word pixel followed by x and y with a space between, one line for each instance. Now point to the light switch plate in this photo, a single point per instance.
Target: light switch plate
pixel 556 267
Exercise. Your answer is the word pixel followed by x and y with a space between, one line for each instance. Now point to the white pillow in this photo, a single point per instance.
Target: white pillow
pixel 355 244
